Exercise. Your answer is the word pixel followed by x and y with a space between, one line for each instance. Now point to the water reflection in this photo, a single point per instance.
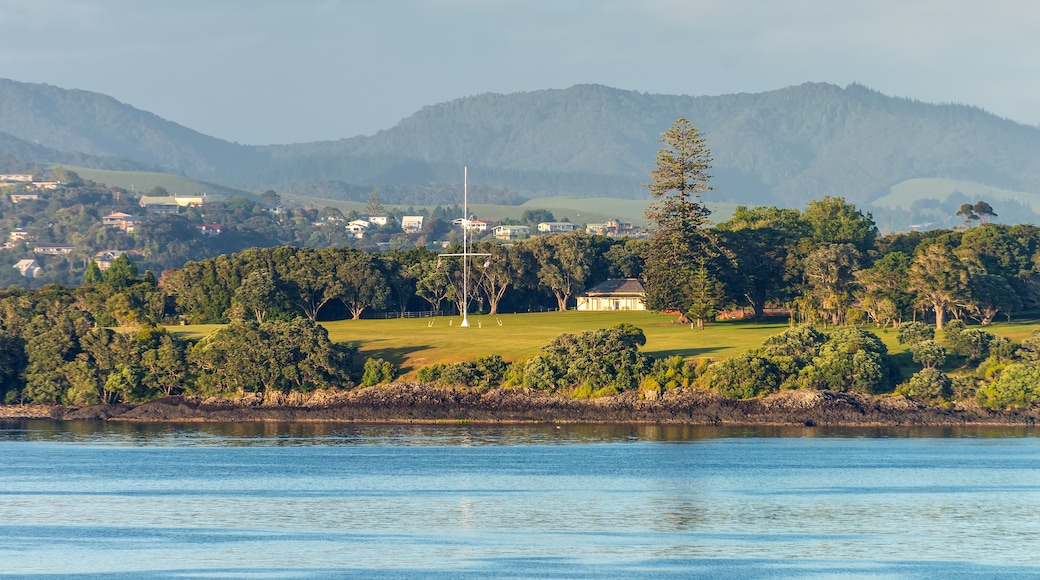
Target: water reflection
pixel 445 434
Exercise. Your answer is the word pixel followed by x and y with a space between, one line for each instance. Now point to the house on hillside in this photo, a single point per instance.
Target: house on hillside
pixel 19 197
pixel 53 249
pixel 209 229
pixel 614 294
pixel 16 177
pixel 357 228
pixel 511 232
pixel 29 268
pixel 555 227
pixel 18 235
pixel 411 224
pixel 615 229
pixel 379 220
pixel 121 221
pixel 104 258
pixel 171 204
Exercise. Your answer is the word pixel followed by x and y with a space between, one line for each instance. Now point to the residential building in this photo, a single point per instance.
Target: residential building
pixel 29 268
pixel 18 235
pixel 379 220
pixel 17 197
pixel 511 232
pixel 16 177
pixel 614 294
pixel 121 221
pixel 357 228
pixel 555 227
pixel 53 249
pixel 209 229
pixel 104 258
pixel 614 229
pixel 412 224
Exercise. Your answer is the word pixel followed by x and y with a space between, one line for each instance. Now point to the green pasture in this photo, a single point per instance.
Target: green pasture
pixel 579 210
pixel 904 194
pixel 415 342
pixel 142 181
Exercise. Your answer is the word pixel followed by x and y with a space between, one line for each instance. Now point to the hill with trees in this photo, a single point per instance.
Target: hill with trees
pixel 782 147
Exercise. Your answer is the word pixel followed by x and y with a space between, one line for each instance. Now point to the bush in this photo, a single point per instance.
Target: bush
pixel 378 371
pixel 851 360
pixel 928 353
pixel 911 333
pixel 928 384
pixel 672 372
pixel 743 377
pixel 537 374
pixel 1017 386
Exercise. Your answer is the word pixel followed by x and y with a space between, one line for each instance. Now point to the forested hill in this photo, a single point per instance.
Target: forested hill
pixel 780 147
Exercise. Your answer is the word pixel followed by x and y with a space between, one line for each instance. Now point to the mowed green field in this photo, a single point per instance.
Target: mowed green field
pixel 415 342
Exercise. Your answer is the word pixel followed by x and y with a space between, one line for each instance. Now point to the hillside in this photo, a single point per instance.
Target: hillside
pixel 781 147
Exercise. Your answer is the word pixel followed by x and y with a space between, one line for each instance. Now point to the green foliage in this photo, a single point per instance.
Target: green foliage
pixel 928 354
pixel 378 371
pixel 672 372
pixel 850 360
pixel 1017 386
pixel 911 333
pixel 595 359
pixel 272 356
pixel 743 377
pixel 928 384
pixel 801 344
pixel 679 241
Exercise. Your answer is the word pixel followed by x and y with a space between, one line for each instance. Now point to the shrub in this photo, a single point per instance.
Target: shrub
pixel 928 353
pixel 851 360
pixel 537 374
pixel 911 333
pixel 974 344
pixel 928 384
pixel 802 344
pixel 743 377
pixel 378 371
pixel 672 372
pixel 1017 386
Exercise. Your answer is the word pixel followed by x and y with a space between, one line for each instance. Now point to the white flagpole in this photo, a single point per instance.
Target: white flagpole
pixel 465 245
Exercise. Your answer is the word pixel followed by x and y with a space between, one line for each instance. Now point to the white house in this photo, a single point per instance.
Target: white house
pixel 357 228
pixel 511 232
pixel 614 294
pixel 411 223
pixel 29 268
pixel 555 227
pixel 379 220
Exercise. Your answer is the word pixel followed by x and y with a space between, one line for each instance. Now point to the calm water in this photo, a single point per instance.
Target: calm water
pixel 451 501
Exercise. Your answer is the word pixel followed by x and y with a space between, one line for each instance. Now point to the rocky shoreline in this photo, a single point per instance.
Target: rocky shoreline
pixel 420 403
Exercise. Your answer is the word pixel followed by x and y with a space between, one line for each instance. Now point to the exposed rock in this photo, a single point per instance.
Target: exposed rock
pixel 415 402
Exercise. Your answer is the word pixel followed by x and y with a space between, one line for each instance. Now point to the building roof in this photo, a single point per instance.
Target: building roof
pixel 618 286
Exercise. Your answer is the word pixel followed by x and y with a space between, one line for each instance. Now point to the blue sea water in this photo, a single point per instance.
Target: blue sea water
pixel 118 500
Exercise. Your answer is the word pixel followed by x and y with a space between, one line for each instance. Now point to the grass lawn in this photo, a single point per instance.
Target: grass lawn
pixel 413 342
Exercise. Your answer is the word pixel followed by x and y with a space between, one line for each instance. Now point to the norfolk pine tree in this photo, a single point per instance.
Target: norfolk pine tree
pixel 679 243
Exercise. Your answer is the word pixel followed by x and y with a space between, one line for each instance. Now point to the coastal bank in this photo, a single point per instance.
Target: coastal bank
pixel 422 403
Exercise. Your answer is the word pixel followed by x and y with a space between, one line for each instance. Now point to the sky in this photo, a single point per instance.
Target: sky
pixel 275 71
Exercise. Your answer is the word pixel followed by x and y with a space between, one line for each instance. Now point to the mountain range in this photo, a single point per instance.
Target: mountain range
pixel 782 147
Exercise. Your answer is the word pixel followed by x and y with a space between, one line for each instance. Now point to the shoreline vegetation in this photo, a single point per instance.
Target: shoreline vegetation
pixel 424 403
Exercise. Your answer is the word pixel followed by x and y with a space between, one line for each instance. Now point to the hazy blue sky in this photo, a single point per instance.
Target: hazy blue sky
pixel 275 71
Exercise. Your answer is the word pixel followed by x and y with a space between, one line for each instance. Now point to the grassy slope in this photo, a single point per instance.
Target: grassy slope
pixel 903 195
pixel 412 343
pixel 142 181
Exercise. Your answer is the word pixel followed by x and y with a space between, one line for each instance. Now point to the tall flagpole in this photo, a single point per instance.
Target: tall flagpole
pixel 465 255
pixel 465 245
